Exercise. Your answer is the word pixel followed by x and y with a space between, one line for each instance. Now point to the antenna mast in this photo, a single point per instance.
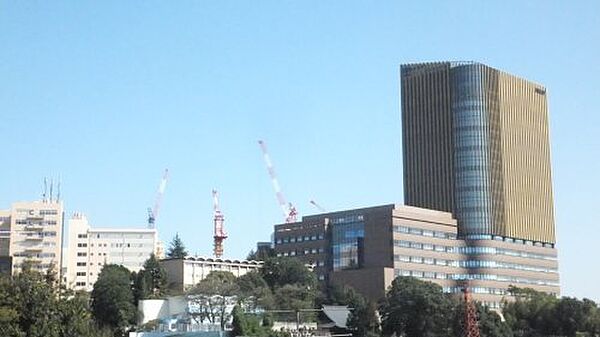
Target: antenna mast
pixel 289 211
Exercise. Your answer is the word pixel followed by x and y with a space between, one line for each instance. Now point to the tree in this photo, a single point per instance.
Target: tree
pixel 37 304
pixel 278 272
pixel 262 253
pixel 363 319
pixel 534 313
pixel 213 295
pixel 246 325
pixel 9 304
pixel 112 299
pixel 415 308
pixel 177 249
pixel 151 281
pixel 76 318
pixel 254 291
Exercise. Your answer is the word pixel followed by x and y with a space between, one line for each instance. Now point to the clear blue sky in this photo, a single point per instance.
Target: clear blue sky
pixel 107 94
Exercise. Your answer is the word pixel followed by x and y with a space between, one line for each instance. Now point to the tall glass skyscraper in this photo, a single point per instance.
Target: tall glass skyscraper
pixel 476 143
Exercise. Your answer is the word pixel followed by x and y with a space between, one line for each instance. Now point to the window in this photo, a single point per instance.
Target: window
pixel 81 254
pixel 80 245
pixel 81 236
pixel 80 284
pixel 80 273
pixel 81 264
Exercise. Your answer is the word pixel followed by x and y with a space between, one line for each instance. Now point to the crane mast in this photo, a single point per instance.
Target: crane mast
pixel 289 211
pixel 471 326
pixel 317 206
pixel 153 212
pixel 219 231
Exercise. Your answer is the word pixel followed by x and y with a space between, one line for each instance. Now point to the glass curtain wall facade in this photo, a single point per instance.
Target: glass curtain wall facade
pixel 347 236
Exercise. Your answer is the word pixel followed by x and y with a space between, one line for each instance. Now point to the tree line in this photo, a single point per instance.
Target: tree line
pixel 33 304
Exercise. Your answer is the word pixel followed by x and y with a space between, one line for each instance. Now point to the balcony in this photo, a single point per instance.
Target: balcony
pixel 33 249
pixel 34 238
pixel 34 227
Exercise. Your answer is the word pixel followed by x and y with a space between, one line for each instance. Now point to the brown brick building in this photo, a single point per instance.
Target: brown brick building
pixel 367 248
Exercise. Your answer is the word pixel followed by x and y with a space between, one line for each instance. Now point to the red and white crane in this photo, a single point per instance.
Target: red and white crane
pixel 153 212
pixel 219 235
pixel 289 211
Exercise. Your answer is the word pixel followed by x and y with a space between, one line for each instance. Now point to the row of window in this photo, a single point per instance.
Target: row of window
pixel 40 255
pixel 477 290
pixel 347 219
pixel 425 246
pixel 472 263
pixel 421 274
pixel 426 260
pixel 48 212
pixel 122 236
pixel 304 252
pixel 425 232
pixel 472 250
pixel 300 238
pixel 504 278
pixel 505 265
pixel 32 223
pixel 503 251
pixel 40 234
pixel 113 245
pixel 507 239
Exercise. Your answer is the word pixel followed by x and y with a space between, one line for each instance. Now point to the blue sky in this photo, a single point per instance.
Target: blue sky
pixel 108 94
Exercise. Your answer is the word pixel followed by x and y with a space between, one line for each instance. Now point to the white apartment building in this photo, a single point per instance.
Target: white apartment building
pixel 31 231
pixel 91 248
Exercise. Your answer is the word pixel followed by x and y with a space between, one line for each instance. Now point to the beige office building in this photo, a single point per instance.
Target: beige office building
pixel 476 144
pixel 92 248
pixel 31 231
pixel 183 274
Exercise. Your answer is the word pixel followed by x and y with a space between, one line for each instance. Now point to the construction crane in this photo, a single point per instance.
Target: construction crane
pixel 319 207
pixel 289 211
pixel 153 212
pixel 220 234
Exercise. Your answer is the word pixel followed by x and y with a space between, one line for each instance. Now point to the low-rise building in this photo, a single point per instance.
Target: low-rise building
pixel 182 274
pixel 91 248
pixel 367 248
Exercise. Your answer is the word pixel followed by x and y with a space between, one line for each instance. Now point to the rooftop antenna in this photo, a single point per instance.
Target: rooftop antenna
pixel 58 190
pixel 45 193
pixel 51 186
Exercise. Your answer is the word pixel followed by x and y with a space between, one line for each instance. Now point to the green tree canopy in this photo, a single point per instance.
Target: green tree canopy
pixel 278 272
pixel 151 281
pixel 112 298
pixel 535 314
pixel 254 290
pixel 177 249
pixel 414 308
pixel 212 295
